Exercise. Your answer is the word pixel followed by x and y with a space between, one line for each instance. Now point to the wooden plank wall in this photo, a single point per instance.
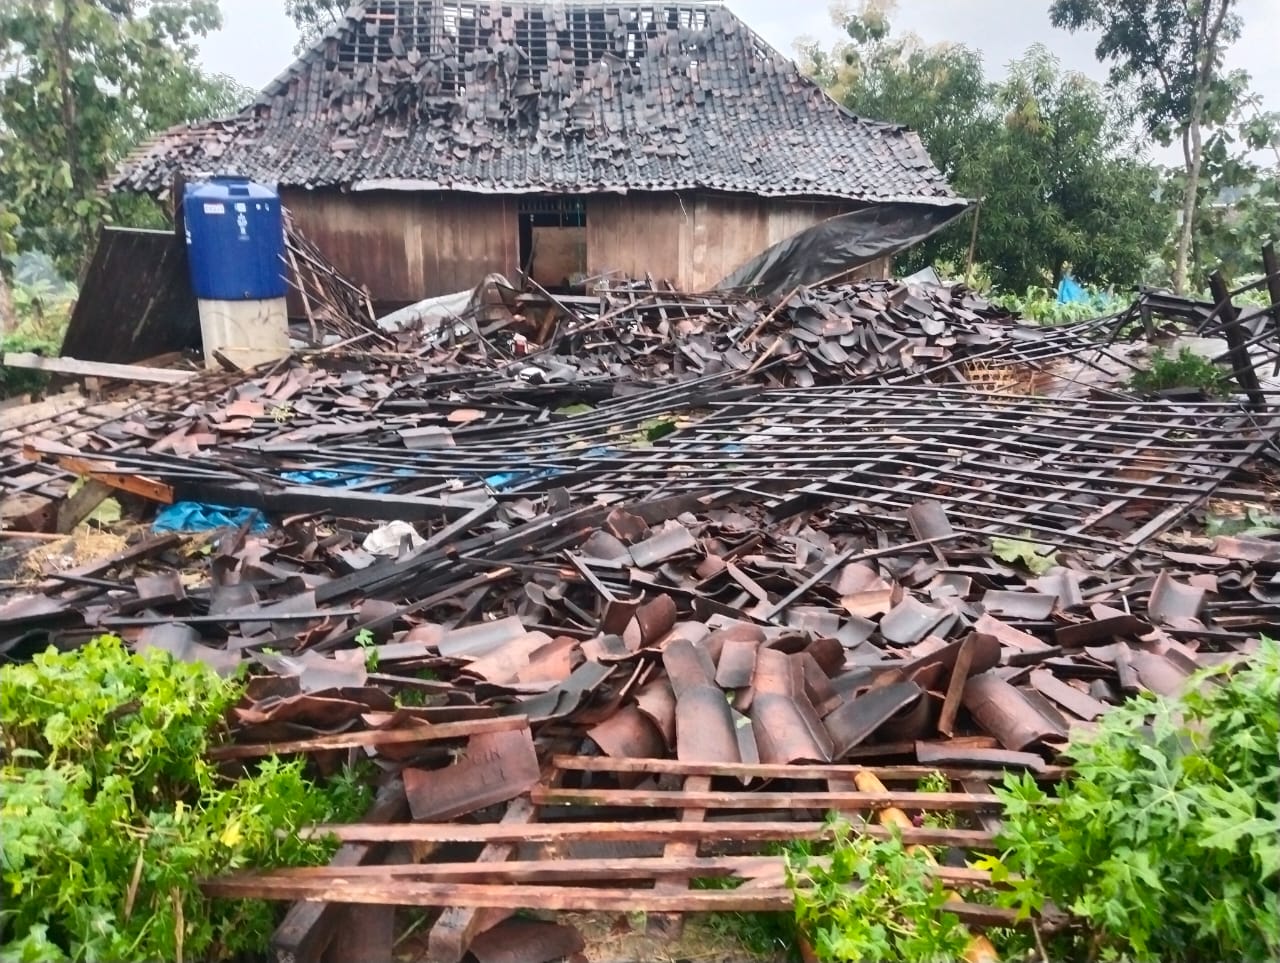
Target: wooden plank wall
pixel 694 240
pixel 408 246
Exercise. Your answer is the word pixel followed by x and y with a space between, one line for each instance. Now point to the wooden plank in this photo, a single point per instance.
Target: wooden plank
pixel 74 509
pixel 139 485
pixel 557 898
pixel 651 830
pixel 99 369
pixel 569 870
pixel 307 929
pixel 371 737
pixel 19 415
pixel 672 925
pixel 458 926
pixel 576 898
pixel 690 799
pixel 736 770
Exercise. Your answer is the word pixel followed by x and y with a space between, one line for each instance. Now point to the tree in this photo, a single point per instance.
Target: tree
pixel 1173 53
pixel 1062 184
pixel 1047 152
pixel 313 18
pixel 82 82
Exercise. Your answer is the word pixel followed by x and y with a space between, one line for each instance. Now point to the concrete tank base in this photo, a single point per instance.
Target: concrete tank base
pixel 246 333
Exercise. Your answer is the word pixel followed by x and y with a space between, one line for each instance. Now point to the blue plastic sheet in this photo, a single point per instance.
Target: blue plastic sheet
pixel 199 517
pixel 344 476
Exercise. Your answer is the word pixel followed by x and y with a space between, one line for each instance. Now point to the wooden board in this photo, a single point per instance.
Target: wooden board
pixel 557 898
pixel 97 369
pixel 406 246
pixel 559 253
pixel 308 928
pixel 735 770
pixel 696 799
pixel 654 830
pixel 568 870
pixel 370 737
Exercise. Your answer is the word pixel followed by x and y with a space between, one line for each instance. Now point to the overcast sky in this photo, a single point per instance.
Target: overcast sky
pixel 256 41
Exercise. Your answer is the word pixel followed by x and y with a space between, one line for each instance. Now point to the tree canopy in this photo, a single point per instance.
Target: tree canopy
pixel 1172 54
pixel 1049 153
pixel 313 18
pixel 81 83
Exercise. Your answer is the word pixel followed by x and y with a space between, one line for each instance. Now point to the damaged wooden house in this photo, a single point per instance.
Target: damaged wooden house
pixel 425 143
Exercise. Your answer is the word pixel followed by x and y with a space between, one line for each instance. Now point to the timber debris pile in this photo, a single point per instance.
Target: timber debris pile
pixel 618 589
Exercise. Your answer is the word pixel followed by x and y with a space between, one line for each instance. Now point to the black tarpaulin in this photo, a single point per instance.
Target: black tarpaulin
pixel 838 245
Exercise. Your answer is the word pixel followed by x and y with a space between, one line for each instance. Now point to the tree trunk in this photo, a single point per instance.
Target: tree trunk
pixel 8 317
pixel 1192 145
pixel 1190 190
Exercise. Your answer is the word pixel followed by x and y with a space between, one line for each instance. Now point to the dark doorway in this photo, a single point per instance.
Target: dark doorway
pixel 553 241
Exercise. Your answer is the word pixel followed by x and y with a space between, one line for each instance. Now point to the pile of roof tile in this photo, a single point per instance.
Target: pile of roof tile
pixel 649 562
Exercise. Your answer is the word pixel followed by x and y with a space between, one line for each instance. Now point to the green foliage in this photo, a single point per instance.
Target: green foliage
pixel 936 782
pixel 81 83
pixel 869 901
pixel 1159 49
pixel 1171 56
pixel 1166 840
pixel 768 935
pixel 366 641
pixel 1256 523
pixel 1045 149
pixel 1035 557
pixel 111 814
pixel 313 18
pixel 1187 370
pixel 1041 305
pixel 42 309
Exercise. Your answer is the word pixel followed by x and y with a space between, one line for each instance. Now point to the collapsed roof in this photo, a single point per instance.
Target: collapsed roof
pixel 581 98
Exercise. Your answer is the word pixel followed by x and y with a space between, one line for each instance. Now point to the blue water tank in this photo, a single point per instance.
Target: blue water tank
pixel 235 240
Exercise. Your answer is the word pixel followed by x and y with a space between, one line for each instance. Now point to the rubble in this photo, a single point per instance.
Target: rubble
pixel 653 593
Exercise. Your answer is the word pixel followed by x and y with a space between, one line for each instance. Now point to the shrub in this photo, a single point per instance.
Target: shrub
pixel 111 814
pixel 1166 841
pixel 1187 370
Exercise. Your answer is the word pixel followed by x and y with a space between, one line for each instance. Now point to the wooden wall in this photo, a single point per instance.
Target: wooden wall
pixel 409 246
pixel 695 240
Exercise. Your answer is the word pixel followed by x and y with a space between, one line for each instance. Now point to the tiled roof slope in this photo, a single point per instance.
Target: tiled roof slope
pixel 562 97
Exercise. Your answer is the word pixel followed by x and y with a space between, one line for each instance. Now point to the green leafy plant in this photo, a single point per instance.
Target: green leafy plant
pixel 112 815
pixel 871 900
pixel 1187 370
pixel 1041 305
pixel 1037 558
pixel 767 935
pixel 1257 522
pixel 936 782
pixel 364 639
pixel 1166 840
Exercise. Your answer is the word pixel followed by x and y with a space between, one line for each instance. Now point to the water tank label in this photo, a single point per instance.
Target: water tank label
pixel 215 209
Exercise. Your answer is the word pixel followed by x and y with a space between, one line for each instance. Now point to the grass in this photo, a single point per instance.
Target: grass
pixel 43 315
pixel 1186 370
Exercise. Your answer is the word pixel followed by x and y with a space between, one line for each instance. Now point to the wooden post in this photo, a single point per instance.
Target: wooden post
pixel 1271 267
pixel 1241 364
